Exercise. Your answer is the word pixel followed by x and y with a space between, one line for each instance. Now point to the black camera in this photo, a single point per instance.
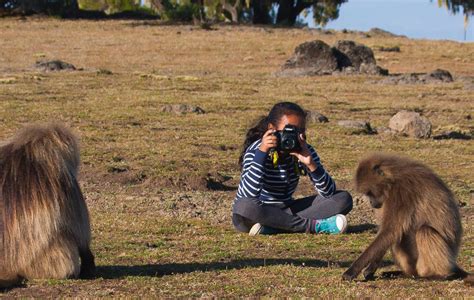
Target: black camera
pixel 288 140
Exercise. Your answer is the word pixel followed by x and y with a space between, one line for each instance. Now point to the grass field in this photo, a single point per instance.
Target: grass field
pixel 157 227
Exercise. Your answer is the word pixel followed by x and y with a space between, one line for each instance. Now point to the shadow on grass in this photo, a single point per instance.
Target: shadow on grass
pixel 157 270
pixel 218 186
pixel 362 228
pixel 19 285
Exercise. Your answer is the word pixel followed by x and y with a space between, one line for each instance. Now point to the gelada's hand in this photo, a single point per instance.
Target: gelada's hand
pixel 304 155
pixel 269 141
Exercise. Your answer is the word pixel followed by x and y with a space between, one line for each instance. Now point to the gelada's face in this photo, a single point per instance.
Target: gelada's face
pixel 292 119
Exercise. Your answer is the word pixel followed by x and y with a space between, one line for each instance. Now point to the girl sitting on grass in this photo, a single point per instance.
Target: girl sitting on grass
pixel 264 203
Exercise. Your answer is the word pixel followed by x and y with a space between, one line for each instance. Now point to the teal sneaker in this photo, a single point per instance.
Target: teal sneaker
pixel 260 229
pixel 332 225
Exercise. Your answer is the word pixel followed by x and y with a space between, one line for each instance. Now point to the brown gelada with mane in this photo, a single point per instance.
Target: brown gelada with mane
pixel 420 220
pixel 44 222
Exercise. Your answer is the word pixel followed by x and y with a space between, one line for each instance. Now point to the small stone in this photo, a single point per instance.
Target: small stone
pixel 182 109
pixel 438 75
pixel 359 127
pixel 316 117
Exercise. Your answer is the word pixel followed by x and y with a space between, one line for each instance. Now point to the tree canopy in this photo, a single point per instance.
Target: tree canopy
pixel 280 12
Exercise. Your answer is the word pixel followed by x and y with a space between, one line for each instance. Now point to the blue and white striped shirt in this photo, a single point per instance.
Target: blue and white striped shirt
pixel 260 179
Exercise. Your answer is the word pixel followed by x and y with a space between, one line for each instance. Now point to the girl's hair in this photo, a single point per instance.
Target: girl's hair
pixel 276 113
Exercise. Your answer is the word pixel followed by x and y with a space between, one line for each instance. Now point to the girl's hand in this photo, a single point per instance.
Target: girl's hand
pixel 304 156
pixel 269 141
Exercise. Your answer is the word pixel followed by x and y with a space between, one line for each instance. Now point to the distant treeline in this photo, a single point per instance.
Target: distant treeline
pixel 279 12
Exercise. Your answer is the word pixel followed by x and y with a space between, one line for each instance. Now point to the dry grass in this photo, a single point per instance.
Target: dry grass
pixel 157 228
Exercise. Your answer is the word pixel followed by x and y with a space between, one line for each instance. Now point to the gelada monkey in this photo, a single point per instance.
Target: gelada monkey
pixel 44 222
pixel 420 220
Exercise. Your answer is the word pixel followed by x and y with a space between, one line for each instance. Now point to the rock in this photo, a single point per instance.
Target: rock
pixel 182 109
pixel 438 75
pixel 352 54
pixel 316 117
pixel 372 69
pixel 455 135
pixel 347 57
pixel 359 127
pixel 410 124
pixel 54 65
pixel 317 58
pixel 311 58
pixel 410 78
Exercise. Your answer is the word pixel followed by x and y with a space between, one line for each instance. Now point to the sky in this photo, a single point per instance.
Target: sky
pixel 413 18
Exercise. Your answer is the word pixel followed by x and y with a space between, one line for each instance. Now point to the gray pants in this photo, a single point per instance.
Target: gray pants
pixel 293 217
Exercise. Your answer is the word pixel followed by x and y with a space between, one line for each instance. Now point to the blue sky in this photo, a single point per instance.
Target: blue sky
pixel 413 18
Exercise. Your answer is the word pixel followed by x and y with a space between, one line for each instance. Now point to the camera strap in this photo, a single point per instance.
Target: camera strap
pixel 275 158
pixel 299 170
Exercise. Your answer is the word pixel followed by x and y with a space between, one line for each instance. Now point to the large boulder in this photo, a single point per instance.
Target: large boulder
pixel 318 58
pixel 410 124
pixel 311 58
pixel 352 54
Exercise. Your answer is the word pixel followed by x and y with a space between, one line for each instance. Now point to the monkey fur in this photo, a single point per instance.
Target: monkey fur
pixel 44 222
pixel 420 219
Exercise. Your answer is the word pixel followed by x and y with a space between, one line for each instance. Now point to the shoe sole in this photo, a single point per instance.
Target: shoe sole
pixel 255 230
pixel 344 224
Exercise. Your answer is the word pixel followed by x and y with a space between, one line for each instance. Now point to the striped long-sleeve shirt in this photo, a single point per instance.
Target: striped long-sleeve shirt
pixel 260 179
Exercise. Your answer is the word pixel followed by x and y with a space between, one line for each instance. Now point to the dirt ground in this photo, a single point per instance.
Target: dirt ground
pixel 160 185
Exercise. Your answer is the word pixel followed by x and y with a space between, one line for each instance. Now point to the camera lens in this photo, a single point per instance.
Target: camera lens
pixel 288 144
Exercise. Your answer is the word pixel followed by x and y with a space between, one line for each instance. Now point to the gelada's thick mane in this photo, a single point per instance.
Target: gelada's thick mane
pixel 38 168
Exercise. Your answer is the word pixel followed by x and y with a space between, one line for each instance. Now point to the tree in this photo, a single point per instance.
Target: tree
pixel 53 7
pixel 109 6
pixel 289 10
pixel 279 12
pixel 455 6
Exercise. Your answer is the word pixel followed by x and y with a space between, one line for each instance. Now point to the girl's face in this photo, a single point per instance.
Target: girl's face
pixel 291 119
